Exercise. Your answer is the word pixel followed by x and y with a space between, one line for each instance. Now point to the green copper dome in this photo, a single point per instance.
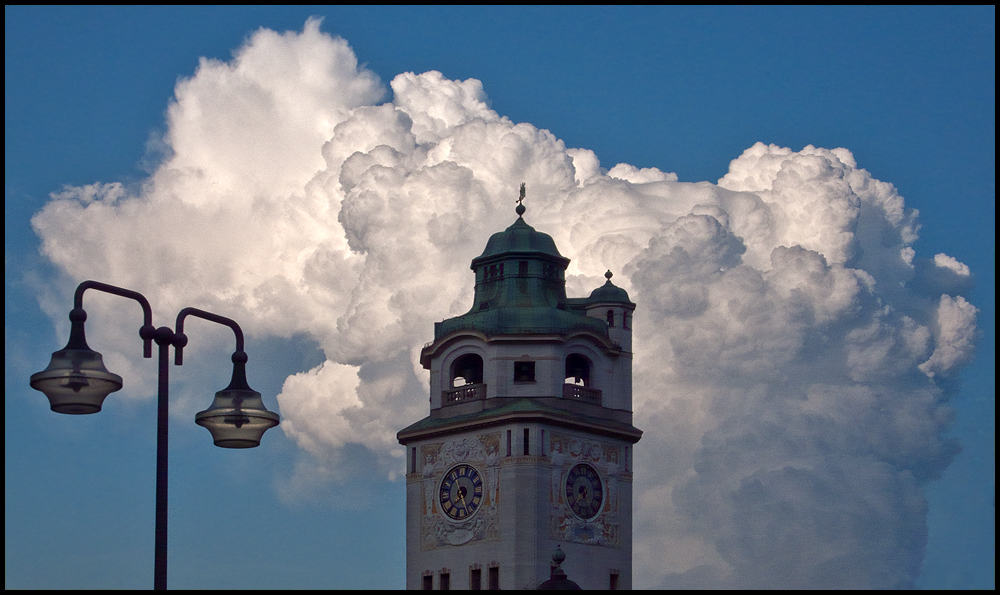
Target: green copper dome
pixel 521 289
pixel 519 238
pixel 609 293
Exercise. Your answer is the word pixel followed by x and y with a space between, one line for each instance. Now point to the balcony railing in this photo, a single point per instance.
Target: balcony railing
pixel 463 394
pixel 582 393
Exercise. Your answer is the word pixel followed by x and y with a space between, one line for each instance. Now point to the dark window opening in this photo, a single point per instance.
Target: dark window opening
pixel 508 443
pixel 445 581
pixel 494 578
pixel 522 267
pixel 524 371
pixel 578 369
pixel 428 582
pixel 526 442
pixel 613 582
pixel 413 460
pixel 611 318
pixel 476 579
pixel 467 369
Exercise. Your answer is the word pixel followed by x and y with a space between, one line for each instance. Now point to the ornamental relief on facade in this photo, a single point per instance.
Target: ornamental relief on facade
pixel 438 530
pixel 567 520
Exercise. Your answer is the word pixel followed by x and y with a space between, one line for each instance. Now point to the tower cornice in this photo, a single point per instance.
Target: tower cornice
pixel 518 410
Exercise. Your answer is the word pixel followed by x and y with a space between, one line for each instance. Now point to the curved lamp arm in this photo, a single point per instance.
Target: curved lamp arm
pixel 147 330
pixel 181 339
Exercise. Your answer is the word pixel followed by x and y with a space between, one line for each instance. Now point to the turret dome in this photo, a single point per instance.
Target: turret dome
pixel 609 293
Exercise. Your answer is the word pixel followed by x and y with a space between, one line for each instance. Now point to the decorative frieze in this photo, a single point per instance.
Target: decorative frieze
pixel 481 453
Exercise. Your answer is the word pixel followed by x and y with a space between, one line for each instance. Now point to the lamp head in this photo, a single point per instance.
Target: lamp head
pixel 237 417
pixel 76 381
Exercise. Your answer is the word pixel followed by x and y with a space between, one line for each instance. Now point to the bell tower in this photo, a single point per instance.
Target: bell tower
pixel 528 445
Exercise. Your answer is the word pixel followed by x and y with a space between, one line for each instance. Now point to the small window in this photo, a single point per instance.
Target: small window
pixel 494 578
pixel 526 450
pixel 613 582
pixel 611 318
pixel 625 320
pixel 524 371
pixel 445 581
pixel 508 443
pixel 522 267
pixel 428 584
pixel 475 579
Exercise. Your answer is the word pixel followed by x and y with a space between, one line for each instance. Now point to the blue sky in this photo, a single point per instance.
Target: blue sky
pixel 910 92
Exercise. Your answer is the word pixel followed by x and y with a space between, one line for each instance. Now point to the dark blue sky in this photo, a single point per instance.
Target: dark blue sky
pixel 911 92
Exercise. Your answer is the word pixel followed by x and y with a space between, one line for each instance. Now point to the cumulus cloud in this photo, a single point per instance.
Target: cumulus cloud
pixel 789 340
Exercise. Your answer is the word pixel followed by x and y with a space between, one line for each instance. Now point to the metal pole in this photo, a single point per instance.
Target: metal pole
pixel 163 338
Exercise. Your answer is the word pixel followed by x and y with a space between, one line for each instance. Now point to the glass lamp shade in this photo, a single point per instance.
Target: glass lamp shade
pixel 237 418
pixel 76 381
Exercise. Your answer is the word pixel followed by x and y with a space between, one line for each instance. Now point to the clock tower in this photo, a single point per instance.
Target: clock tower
pixel 528 445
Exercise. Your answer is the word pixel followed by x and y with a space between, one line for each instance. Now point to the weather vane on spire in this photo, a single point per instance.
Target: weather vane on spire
pixel 520 202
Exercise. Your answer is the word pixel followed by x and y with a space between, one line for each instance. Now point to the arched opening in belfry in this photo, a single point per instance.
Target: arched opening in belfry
pixel 467 369
pixel 578 369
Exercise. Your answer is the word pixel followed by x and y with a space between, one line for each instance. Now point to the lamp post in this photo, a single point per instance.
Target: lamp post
pixel 76 383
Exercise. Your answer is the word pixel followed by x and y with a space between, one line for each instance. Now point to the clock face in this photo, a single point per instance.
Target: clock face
pixel 461 492
pixel 584 492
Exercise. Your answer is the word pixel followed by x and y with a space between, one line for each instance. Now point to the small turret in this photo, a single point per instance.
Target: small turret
pixel 612 304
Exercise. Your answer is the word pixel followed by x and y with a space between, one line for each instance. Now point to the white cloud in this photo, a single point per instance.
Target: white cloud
pixel 950 263
pixel 954 335
pixel 785 369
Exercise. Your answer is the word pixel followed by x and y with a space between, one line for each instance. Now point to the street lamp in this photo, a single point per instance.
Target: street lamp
pixel 76 382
